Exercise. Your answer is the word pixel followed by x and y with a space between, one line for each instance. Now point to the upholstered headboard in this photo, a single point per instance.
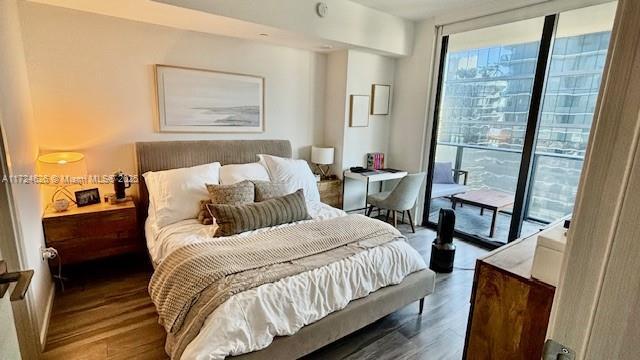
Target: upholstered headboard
pixel 165 155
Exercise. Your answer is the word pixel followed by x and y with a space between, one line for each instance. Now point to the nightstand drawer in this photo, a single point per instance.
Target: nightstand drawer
pixel 93 235
pixel 87 225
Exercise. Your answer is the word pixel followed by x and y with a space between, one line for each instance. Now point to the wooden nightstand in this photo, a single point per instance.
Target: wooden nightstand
pixel 92 232
pixel 331 192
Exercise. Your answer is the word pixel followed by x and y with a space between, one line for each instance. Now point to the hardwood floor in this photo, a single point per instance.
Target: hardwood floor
pixel 106 313
pixel 436 334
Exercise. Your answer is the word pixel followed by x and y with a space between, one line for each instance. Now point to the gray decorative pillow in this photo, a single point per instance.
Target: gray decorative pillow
pixel 234 194
pixel 266 190
pixel 236 219
pixel 204 216
pixel 442 173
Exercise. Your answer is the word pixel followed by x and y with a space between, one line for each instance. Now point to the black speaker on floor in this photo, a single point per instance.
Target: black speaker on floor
pixel 443 251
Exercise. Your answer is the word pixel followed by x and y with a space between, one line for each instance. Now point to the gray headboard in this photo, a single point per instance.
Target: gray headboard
pixel 165 155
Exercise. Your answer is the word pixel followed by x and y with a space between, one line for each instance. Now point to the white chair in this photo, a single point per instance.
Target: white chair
pixel 402 198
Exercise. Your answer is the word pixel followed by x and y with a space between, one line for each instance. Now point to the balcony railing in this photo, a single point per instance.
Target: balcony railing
pixel 554 178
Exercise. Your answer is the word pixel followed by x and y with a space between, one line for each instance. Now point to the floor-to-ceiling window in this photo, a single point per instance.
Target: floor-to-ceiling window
pixel 575 70
pixel 486 84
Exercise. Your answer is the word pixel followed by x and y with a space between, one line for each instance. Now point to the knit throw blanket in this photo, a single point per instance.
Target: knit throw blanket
pixel 180 279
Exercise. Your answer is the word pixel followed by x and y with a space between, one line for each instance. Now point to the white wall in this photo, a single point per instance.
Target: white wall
pixel 21 146
pixel 352 72
pixel 363 70
pixel 92 83
pixel 347 22
pixel 335 90
pixel 410 129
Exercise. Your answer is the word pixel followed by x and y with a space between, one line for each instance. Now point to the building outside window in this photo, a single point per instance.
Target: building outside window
pixel 485 107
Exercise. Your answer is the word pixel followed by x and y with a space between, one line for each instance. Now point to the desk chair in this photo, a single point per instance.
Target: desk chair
pixel 402 198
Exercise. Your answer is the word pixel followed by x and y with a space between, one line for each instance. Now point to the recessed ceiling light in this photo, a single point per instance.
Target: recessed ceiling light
pixel 263 34
pixel 326 46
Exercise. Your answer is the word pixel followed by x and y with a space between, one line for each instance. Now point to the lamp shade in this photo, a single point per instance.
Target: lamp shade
pixel 62 164
pixel 322 155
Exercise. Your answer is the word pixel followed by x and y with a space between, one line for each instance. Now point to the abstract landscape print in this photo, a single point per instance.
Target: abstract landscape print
pixel 193 100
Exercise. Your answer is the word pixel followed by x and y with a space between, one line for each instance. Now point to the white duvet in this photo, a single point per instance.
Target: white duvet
pixel 249 321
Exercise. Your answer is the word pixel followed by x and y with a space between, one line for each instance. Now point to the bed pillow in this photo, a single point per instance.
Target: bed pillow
pixel 234 173
pixel 296 174
pixel 442 173
pixel 234 194
pixel 266 190
pixel 236 219
pixel 174 194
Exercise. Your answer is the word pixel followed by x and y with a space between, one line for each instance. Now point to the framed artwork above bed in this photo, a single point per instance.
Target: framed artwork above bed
pixel 195 100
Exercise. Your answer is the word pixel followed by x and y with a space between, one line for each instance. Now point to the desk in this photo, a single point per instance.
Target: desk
pixel 380 176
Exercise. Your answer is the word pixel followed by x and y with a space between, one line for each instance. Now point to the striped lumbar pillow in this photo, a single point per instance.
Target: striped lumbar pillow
pixel 235 219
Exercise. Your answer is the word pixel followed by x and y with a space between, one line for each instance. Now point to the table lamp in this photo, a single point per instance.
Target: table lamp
pixel 61 165
pixel 322 156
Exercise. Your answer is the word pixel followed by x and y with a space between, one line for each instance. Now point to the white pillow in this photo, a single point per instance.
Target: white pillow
pixel 175 194
pixel 234 173
pixel 296 174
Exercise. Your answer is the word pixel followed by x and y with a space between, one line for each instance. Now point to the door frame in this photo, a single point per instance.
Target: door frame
pixel 525 175
pixel 599 271
pixel 25 322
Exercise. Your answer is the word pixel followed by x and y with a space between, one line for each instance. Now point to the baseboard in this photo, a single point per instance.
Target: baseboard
pixel 44 327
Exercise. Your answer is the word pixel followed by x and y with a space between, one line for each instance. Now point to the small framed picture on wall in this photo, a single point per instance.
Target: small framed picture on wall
pixel 359 111
pixel 380 98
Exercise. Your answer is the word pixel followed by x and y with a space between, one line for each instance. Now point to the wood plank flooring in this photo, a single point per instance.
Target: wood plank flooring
pixel 106 313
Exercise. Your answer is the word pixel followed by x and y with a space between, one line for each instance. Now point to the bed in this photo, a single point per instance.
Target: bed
pixel 320 327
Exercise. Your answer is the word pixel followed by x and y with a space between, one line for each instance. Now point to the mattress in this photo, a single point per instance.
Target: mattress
pixel 250 320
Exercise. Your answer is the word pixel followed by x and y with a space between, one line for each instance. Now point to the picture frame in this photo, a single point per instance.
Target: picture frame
pixel 87 197
pixel 359 111
pixel 380 99
pixel 208 101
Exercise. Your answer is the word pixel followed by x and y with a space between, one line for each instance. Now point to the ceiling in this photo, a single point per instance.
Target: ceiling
pixel 182 18
pixel 422 9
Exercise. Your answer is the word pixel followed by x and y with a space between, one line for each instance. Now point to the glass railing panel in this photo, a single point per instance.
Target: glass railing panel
pixel 491 168
pixel 554 187
pixel 446 153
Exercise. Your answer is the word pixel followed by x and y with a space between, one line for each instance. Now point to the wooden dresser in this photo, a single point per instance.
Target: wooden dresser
pixel 92 232
pixel 331 192
pixel 509 309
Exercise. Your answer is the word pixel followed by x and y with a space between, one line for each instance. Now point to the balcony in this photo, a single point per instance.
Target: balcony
pixel 552 188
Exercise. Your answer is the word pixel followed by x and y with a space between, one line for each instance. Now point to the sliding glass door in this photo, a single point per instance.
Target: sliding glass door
pixel 512 122
pixel 575 70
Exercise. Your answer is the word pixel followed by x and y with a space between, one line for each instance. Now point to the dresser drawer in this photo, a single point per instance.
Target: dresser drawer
pixel 83 237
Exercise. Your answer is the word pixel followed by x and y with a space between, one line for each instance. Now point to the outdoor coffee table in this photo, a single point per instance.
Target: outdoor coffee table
pixel 485 199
